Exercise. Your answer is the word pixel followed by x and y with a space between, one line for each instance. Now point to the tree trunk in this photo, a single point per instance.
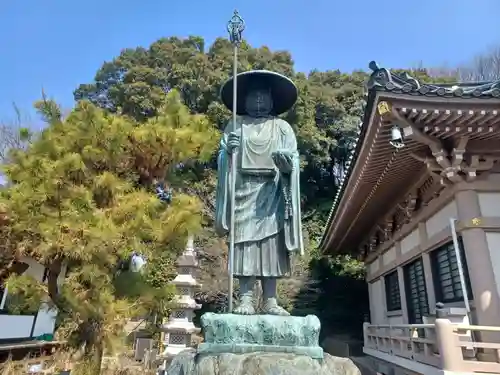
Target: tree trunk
pixel 94 348
pixel 54 270
pixel 93 356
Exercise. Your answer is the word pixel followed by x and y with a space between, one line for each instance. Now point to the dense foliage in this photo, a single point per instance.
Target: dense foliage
pixel 81 198
pixel 325 119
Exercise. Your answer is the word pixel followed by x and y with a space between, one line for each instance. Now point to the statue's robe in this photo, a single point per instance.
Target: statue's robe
pixel 267 201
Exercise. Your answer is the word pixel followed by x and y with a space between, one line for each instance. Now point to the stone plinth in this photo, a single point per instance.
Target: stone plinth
pixel 237 334
pixel 191 363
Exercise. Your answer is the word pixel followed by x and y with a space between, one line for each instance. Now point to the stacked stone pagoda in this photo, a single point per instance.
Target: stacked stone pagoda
pixel 179 328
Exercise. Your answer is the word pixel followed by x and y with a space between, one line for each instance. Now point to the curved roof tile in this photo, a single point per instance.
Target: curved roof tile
pixel 383 79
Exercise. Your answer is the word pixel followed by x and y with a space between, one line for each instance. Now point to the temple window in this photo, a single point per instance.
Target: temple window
pixel 392 295
pixel 446 274
pixel 416 292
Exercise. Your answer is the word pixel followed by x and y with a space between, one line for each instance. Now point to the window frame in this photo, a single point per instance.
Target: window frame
pixel 414 278
pixel 392 292
pixel 438 277
pixel 3 296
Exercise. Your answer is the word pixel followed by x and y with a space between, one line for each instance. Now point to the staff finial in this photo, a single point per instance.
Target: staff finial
pixel 235 28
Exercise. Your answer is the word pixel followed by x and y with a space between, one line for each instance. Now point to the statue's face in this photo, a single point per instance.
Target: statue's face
pixel 259 103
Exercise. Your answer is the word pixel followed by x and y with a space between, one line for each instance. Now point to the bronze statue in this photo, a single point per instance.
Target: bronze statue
pixel 267 223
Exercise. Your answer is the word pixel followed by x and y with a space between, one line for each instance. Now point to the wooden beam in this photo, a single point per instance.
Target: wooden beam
pixel 410 129
pixel 483 146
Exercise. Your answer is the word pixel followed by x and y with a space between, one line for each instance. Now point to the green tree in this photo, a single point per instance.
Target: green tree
pixel 326 119
pixel 80 196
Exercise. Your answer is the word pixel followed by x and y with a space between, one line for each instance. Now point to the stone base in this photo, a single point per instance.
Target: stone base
pixel 239 334
pixel 204 348
pixel 190 363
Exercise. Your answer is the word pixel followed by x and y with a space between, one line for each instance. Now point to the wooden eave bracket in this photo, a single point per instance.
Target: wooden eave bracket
pixel 459 151
pixel 449 170
pixel 410 130
pixel 441 161
pixel 476 165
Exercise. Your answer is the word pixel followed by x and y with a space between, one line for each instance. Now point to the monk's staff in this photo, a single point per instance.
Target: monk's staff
pixel 235 27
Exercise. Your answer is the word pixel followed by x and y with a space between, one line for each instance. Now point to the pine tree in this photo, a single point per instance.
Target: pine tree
pixel 82 197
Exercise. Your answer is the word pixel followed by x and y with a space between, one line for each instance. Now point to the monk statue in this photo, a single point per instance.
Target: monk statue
pixel 268 227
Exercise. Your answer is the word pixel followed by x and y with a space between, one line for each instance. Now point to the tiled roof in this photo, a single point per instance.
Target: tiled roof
pixel 383 80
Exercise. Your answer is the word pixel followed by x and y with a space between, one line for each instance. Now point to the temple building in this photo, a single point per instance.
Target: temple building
pixel 179 328
pixel 420 205
pixel 26 329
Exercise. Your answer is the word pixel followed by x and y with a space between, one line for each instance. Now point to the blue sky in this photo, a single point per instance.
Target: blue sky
pixel 57 44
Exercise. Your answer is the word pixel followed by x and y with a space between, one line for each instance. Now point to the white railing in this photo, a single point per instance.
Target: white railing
pixel 440 345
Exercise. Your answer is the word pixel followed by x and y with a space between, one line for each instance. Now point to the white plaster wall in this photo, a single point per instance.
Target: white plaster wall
pixel 389 256
pixel 489 204
pixel 377 302
pixel 395 320
pixel 15 326
pixel 494 177
pixel 410 241
pixel 374 266
pixel 373 313
pixel 440 220
pixel 45 318
pixel 35 269
pixel 45 321
pixel 493 240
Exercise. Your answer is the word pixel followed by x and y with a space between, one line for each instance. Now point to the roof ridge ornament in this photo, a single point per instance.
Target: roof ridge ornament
pixel 373 66
pixel 381 77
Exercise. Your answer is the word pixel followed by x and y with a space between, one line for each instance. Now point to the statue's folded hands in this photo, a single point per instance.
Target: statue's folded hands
pixel 283 159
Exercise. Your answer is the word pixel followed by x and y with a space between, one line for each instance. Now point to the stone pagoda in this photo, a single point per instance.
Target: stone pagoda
pixel 180 327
